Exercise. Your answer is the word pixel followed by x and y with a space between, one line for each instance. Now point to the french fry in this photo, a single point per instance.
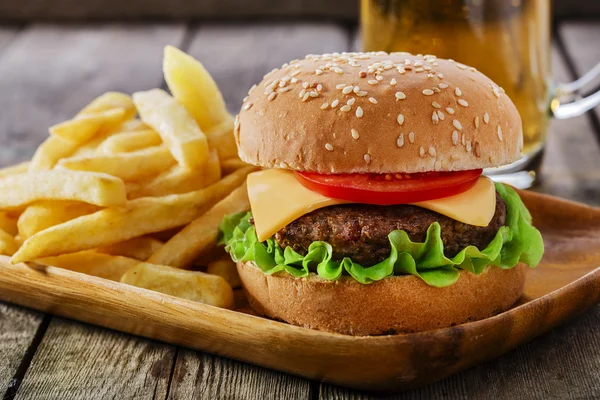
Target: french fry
pixel 176 126
pixel 232 164
pixel 138 218
pixel 140 248
pixel 109 101
pixel 8 223
pixel 91 263
pixel 88 187
pixel 180 180
pixel 226 269
pixel 192 86
pixel 124 142
pixel 53 149
pixel 127 166
pixel 45 214
pixel 14 169
pixel 132 125
pixel 83 128
pixel 8 245
pixel 221 138
pixel 200 236
pixel 191 285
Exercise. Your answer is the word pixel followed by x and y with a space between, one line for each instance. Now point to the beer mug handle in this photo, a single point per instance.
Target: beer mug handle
pixel 567 103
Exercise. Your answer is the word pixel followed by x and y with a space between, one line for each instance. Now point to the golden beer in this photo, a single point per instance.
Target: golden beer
pixel 508 40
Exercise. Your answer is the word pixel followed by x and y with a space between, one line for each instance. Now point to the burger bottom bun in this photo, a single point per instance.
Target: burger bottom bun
pixel 398 304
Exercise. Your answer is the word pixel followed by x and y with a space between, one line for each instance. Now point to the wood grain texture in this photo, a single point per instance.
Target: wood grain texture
pixel 203 376
pixel 238 56
pixel 563 364
pixel 48 72
pixel 563 285
pixel 18 327
pixel 77 361
pixel 581 43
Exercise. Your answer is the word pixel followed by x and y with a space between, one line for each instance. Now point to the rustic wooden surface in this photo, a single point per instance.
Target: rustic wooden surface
pixel 48 71
pixel 26 10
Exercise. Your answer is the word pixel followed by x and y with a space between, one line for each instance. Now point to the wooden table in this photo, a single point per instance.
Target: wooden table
pixel 48 72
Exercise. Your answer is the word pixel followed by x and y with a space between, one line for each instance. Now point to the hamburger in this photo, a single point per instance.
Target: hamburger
pixel 371 215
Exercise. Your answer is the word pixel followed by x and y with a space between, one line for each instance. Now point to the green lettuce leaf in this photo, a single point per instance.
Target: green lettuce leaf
pixel 517 241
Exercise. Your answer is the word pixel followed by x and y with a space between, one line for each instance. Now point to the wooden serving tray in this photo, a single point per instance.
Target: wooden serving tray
pixel 565 284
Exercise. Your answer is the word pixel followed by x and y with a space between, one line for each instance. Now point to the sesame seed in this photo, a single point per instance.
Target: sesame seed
pixel 345 108
pixel 313 94
pixel 356 89
pixel 295 73
pixel 379 78
pixel 476 149
pixel 499 133
pixel 463 103
pixel 393 82
pixel 372 100
pixel 354 133
pixel 285 89
pixel 458 92
pixel 400 141
pixel 319 72
pixel 428 92
pixel 347 90
pixel 435 104
pixel 319 87
pixel 338 70
pixel 462 139
pixel 245 99
pixel 362 74
pixel 477 121
pixel 437 90
pixel 468 146
pixel 328 146
pixel 324 106
pixel 421 151
pixel 419 69
pixel 305 85
pixel 302 93
pixel 294 80
pixel 367 158
pixel 450 110
pixel 251 89
pixel 400 96
pixel 496 93
pixel 411 137
pixel 340 86
pixel 457 125
pixel 435 118
pixel 486 118
pixel 351 101
pixel 441 76
pixel 335 103
pixel 437 166
pixel 306 96
pixel 248 106
pixel 443 85
pixel 418 64
pixel 400 119
pixel 361 93
pixel 272 96
pixel 455 137
pixel 359 112
pixel 440 115
pixel 372 82
pixel 282 83
pixel 432 151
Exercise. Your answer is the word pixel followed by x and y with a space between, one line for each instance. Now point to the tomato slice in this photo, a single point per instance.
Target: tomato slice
pixel 385 189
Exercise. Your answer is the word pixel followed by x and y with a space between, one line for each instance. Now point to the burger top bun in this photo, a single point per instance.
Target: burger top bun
pixel 378 113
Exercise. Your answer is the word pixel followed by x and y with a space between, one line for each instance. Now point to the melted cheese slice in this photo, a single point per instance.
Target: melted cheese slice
pixel 277 199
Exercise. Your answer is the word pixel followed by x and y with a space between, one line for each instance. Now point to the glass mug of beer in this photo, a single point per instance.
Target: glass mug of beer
pixel 508 40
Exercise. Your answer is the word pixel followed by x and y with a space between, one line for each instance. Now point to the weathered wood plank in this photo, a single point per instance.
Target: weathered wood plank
pixel 202 376
pixel 581 42
pixel 563 364
pixel 571 166
pixel 18 327
pixel 49 72
pixel 239 55
pixel 76 361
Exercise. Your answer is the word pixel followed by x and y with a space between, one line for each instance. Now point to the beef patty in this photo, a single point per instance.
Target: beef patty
pixel 359 231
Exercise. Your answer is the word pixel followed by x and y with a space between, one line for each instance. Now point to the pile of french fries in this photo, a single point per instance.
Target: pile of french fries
pixel 133 188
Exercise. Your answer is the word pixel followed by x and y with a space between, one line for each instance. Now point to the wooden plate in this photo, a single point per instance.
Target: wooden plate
pixel 565 284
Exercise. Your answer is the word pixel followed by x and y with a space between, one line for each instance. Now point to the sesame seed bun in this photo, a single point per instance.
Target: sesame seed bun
pixel 397 304
pixel 378 113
